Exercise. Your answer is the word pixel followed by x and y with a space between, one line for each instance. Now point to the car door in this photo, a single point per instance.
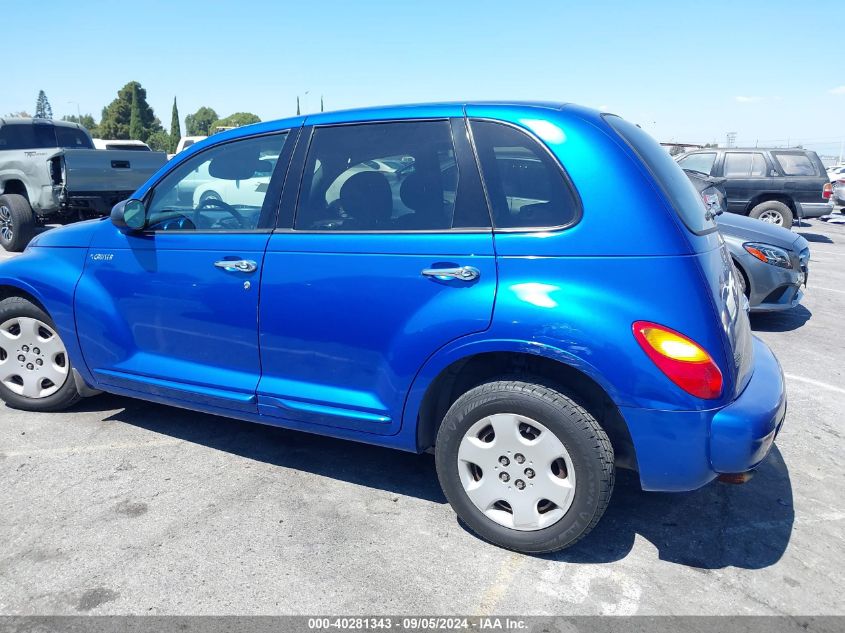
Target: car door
pixel 748 174
pixel 374 275
pixel 803 180
pixel 171 311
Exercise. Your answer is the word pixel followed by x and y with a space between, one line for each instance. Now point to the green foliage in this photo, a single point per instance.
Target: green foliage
pixel 19 115
pixel 117 115
pixel 175 130
pixel 199 123
pixel 159 141
pixel 136 130
pixel 42 107
pixel 297 107
pixel 238 119
pixel 86 121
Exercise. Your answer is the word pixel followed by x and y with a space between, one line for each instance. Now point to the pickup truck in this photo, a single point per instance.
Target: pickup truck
pixel 772 185
pixel 51 173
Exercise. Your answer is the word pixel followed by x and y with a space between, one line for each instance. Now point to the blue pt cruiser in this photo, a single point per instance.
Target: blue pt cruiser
pixel 449 277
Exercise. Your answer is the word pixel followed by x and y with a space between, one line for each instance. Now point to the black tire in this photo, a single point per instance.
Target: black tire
pixel 67 395
pixel 17 222
pixel 586 442
pixel 770 207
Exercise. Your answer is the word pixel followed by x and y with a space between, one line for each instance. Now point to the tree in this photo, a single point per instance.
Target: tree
pixel 19 115
pixel 117 116
pixel 321 103
pixel 86 120
pixel 238 119
pixel 297 107
pixel 160 141
pixel 199 123
pixel 175 130
pixel 136 129
pixel 42 107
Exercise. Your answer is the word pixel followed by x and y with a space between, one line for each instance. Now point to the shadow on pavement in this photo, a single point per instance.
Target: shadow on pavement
pixel 372 466
pixel 717 526
pixel 816 237
pixel 784 321
pixel 720 525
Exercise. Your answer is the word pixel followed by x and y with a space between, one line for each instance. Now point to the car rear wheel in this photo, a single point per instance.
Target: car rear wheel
pixel 773 212
pixel 35 369
pixel 17 223
pixel 524 466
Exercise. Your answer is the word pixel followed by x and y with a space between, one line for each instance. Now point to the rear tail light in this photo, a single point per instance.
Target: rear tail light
pixel 827 191
pixel 683 361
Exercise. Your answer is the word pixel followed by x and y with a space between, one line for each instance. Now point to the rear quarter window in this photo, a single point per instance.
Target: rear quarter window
pixel 795 164
pixel 672 180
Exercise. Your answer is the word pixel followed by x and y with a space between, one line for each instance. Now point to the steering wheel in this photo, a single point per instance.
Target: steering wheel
pixel 217 202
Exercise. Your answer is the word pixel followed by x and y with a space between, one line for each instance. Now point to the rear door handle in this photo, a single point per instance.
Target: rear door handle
pixel 237 265
pixel 461 273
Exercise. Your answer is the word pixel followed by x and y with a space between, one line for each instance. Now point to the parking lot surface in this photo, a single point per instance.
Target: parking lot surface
pixel 120 506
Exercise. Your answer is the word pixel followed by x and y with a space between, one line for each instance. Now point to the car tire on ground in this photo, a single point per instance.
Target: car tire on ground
pixel 524 466
pixel 35 370
pixel 17 223
pixel 773 212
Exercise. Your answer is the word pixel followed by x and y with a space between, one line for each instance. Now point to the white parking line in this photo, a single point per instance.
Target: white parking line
pixel 816 383
pixel 842 292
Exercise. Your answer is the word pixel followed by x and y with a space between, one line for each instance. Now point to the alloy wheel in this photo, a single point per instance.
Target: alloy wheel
pixel 516 471
pixel 33 359
pixel 6 226
pixel 772 217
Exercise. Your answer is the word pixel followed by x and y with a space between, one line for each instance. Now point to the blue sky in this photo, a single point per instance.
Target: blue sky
pixel 770 71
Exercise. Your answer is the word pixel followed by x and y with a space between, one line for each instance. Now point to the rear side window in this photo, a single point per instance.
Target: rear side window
pixel 399 176
pixel 672 180
pixel 525 184
pixel 699 162
pixel 795 164
pixel 744 165
pixel 73 138
pixel 27 136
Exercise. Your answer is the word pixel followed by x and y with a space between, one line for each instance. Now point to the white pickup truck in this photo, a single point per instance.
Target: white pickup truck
pixel 51 173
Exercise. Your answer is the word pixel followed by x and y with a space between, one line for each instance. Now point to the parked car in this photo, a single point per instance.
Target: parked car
pixel 137 146
pixel 184 143
pixel 837 172
pixel 839 192
pixel 773 185
pixel 51 173
pixel 581 340
pixel 772 262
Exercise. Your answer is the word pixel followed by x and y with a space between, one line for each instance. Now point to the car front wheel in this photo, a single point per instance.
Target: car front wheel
pixel 35 369
pixel 524 466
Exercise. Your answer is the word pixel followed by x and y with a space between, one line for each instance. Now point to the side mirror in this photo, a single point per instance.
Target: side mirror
pixel 129 215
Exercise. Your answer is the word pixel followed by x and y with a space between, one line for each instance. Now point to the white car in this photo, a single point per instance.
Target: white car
pixel 237 193
pixel 837 172
pixel 137 146
pixel 185 142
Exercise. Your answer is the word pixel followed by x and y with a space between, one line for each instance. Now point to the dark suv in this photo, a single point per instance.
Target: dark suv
pixel 773 185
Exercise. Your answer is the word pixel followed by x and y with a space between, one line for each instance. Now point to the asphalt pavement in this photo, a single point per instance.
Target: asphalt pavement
pixel 125 507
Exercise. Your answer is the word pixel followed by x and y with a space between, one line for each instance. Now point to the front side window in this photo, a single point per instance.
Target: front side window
pixel 525 184
pixel 221 189
pixel 702 163
pixel 399 176
pixel 27 136
pixel 795 164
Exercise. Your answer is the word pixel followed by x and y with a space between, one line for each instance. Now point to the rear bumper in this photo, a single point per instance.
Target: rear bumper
pixel 683 450
pixel 814 209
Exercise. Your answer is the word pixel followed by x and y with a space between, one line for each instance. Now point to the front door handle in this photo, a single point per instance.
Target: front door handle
pixel 237 265
pixel 461 273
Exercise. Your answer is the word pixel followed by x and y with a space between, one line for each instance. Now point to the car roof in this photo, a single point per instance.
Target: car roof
pixel 24 121
pixel 379 113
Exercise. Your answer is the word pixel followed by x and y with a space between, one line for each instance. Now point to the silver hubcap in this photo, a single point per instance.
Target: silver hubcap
pixel 516 471
pixel 6 231
pixel 772 217
pixel 33 359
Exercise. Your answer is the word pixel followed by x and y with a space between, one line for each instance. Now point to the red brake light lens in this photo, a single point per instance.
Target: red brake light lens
pixel 683 361
pixel 827 191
